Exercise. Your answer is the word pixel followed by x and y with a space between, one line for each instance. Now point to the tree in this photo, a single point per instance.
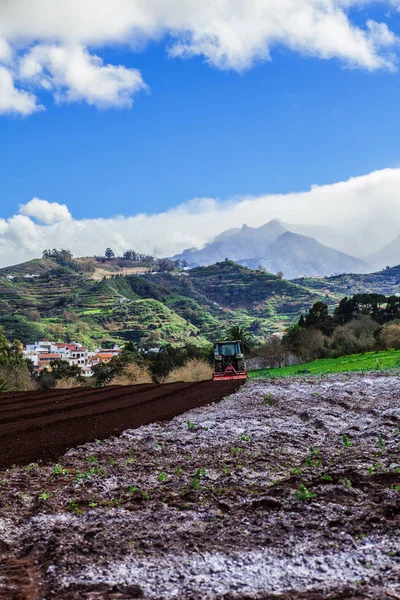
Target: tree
pixel 390 336
pixel 61 369
pixel 242 335
pixel 109 253
pixel 10 353
pixel 274 351
pixel 319 318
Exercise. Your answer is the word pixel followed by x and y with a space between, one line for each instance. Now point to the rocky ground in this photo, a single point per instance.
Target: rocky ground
pixel 287 489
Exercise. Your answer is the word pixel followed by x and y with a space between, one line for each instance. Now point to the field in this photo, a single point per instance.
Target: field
pixel 287 489
pixel 368 361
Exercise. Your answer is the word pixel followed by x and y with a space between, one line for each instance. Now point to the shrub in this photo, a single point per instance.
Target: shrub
pixel 133 374
pixel 16 378
pixel 67 383
pixel 194 370
pixel 390 336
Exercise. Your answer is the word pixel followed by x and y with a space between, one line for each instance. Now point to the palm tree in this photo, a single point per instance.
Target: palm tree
pixel 242 335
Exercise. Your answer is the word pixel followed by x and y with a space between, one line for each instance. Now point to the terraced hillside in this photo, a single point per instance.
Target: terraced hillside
pixel 42 298
pixel 385 282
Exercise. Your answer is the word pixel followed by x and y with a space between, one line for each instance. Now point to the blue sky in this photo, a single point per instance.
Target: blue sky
pixel 202 130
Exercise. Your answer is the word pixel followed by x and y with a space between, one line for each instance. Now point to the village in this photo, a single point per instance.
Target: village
pixel 42 353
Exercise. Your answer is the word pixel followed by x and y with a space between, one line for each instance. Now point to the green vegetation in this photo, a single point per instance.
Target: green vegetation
pixel 368 361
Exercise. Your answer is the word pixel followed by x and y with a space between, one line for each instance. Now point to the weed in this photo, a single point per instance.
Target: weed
pixel 303 494
pixel 92 460
pixel 269 400
pixel 145 496
pixel 92 504
pixel 314 451
pixel 326 477
pixel 162 477
pixel 129 461
pixel 112 461
pixel 346 441
pixel 44 496
pixel 177 470
pixel 347 482
pixel 297 472
pixel 191 426
pixel 244 437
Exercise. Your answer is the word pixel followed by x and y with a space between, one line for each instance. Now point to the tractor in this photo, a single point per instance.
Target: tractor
pixel 229 361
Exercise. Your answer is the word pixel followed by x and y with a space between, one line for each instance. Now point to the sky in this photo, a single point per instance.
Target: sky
pixel 155 125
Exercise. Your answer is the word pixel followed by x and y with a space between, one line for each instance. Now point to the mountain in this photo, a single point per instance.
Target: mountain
pixel 387 256
pixel 297 255
pixel 275 248
pixel 234 244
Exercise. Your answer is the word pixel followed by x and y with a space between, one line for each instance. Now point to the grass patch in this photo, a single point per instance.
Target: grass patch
pixel 368 361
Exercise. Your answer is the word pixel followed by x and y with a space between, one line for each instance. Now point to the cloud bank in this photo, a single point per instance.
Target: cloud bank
pixel 51 46
pixel 357 216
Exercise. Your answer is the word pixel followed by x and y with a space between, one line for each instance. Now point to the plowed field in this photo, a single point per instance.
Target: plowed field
pixel 42 425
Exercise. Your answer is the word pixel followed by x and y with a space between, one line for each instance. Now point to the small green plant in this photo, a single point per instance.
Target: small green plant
pixel 31 467
pixel 269 399
pixel 236 451
pixel 346 441
pixel 44 496
pixel 92 460
pixel 162 477
pixel 145 496
pixel 177 470
pixel 133 489
pixel 296 471
pixel 92 504
pixel 58 470
pixel 74 507
pixel 244 438
pixel 326 477
pixel 381 442
pixel 191 426
pixel 347 482
pixel 196 479
pixel 314 451
pixel 303 494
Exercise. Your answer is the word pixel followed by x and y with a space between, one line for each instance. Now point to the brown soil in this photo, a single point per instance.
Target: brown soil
pixel 42 425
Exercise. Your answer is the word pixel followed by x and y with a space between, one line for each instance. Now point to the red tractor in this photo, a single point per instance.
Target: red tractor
pixel 229 361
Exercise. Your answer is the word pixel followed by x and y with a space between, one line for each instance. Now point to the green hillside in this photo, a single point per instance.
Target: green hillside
pixel 368 361
pixel 63 303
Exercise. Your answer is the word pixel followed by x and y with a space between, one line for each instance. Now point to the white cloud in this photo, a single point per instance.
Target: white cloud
pixel 357 216
pixel 76 75
pixel 13 100
pixel 229 34
pixel 46 212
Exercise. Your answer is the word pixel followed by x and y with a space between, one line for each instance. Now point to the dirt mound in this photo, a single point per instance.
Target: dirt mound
pixel 42 425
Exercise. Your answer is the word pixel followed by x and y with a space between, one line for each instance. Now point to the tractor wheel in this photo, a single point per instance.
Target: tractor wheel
pixel 241 366
pixel 218 367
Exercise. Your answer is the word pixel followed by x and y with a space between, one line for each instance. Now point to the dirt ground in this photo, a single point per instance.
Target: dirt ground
pixel 286 489
pixel 42 425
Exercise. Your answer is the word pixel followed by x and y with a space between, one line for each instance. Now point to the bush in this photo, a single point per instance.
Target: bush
pixel 17 378
pixel 194 370
pixel 133 374
pixel 390 336
pixel 356 336
pixel 68 383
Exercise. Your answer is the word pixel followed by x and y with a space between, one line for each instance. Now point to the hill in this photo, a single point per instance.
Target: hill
pixel 276 249
pixel 389 255
pixel 149 309
pixel 382 282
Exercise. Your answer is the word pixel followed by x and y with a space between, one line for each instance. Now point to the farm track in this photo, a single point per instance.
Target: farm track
pixel 41 426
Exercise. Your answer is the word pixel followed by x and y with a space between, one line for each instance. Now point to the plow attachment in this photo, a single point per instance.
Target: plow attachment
pixel 230 373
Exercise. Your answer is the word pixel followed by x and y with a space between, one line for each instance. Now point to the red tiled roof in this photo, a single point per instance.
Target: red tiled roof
pixel 49 355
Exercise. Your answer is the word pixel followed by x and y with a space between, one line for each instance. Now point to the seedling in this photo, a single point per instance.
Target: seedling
pixel 326 477
pixel 347 482
pixel 303 494
pixel 191 426
pixel 162 477
pixel 244 437
pixel 177 470
pixel 58 470
pixel 269 400
pixel 346 441
pixel 196 479
pixel 44 496
pixel 31 467
pixel 235 451
pixel 297 472
pixel 314 451
pixel 92 459
pixel 381 442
